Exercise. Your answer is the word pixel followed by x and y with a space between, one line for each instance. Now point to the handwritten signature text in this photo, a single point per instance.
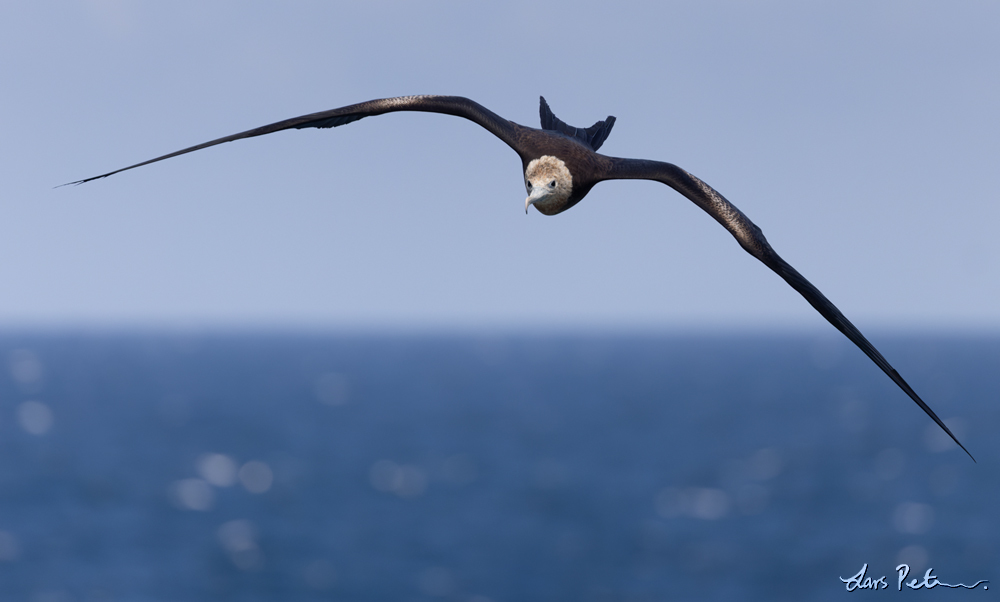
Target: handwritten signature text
pixel 861 581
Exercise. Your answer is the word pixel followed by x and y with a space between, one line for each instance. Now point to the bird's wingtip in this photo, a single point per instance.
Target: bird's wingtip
pixel 950 434
pixel 967 452
pixel 953 437
pixel 85 180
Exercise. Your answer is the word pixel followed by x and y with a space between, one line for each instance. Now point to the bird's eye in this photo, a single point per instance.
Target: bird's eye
pixel 552 184
pixel 529 184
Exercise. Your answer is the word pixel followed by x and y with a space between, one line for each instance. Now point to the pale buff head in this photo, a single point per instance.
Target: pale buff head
pixel 549 184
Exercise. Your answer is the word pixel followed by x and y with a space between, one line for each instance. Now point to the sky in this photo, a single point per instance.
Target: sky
pixel 861 137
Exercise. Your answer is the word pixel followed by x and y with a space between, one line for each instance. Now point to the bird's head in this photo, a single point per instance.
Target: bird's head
pixel 549 184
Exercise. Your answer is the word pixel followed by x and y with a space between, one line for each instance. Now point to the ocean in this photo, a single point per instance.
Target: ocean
pixel 491 468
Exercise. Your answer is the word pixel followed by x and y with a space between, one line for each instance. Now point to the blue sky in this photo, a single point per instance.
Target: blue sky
pixel 861 137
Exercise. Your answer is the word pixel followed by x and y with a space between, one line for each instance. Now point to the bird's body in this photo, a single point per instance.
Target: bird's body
pixel 561 165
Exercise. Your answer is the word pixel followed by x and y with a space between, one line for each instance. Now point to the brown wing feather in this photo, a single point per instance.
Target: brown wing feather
pixel 507 131
pixel 752 240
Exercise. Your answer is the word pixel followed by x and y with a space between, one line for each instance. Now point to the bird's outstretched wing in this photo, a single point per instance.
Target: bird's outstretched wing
pixel 752 240
pixel 503 129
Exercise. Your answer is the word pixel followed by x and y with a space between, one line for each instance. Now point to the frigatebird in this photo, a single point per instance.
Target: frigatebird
pixel 561 164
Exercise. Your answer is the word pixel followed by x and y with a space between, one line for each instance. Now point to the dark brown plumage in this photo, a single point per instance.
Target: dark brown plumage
pixel 546 155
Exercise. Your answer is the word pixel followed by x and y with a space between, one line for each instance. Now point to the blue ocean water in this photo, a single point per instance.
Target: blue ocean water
pixel 490 468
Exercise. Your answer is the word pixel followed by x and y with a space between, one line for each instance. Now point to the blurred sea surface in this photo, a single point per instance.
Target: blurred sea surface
pixel 170 467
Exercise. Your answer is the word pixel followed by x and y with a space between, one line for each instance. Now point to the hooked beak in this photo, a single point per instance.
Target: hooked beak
pixel 537 193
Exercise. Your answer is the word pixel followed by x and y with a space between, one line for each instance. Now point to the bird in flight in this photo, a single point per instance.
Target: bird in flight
pixel 561 164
